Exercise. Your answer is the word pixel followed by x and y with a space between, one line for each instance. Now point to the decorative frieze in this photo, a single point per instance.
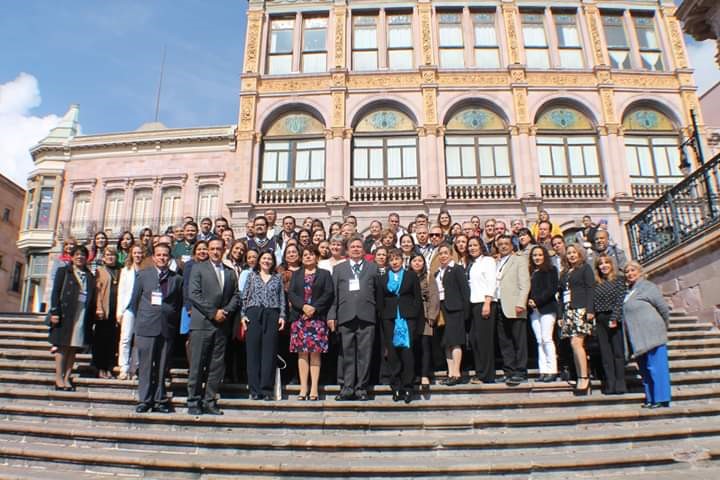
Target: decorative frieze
pixel 509 14
pixel 340 37
pixel 676 40
pixel 247 113
pixel 252 46
pixel 426 32
pixel 651 80
pixel 593 20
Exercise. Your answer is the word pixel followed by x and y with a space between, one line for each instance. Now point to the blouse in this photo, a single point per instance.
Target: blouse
pixel 260 294
pixel 609 297
pixel 482 276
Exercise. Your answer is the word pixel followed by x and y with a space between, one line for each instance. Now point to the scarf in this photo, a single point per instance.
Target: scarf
pixel 401 333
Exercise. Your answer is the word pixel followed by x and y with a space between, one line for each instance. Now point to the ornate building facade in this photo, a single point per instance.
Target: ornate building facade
pixel 491 108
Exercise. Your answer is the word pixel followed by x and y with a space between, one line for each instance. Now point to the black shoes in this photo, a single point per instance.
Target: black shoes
pixel 345 396
pixel 362 395
pixel 452 381
pixel 162 408
pixel 143 408
pixel 514 380
pixel 653 406
pixel 256 396
pixel 397 395
pixel 547 378
pixel 212 410
pixel 194 411
pixel 407 396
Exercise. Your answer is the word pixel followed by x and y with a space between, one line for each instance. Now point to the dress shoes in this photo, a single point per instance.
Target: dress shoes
pixel 213 410
pixel 162 408
pixel 143 408
pixel 344 396
pixel 513 381
pixel 397 396
pixel 476 381
pixel 194 411
pixel 407 396
pixel 257 396
pixel 362 395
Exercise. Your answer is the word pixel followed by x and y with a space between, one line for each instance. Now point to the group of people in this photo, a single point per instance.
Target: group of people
pixel 390 302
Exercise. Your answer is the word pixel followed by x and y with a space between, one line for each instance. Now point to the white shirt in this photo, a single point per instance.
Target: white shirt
pixel 439 280
pixel 220 272
pixel 500 266
pixel 483 279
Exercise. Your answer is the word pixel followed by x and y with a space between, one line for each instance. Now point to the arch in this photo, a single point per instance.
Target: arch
pixel 568 101
pixel 474 101
pixel 563 117
pixel 294 123
pixel 275 112
pixel 380 103
pixel 661 107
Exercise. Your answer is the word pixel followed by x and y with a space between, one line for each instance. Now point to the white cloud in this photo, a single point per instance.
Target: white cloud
pixel 20 130
pixel 702 59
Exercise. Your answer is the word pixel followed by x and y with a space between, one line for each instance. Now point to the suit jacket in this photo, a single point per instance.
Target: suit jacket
pixel 361 303
pixel 581 283
pixel 409 300
pixel 64 303
pixel 207 298
pixel 543 288
pixel 457 290
pixel 322 293
pixel 514 285
pixel 156 320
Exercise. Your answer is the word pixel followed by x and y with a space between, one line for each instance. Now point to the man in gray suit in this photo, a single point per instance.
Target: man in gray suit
pixel 156 302
pixel 215 299
pixel 513 288
pixel 353 314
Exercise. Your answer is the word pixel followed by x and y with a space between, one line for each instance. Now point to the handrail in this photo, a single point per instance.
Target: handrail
pixel 681 214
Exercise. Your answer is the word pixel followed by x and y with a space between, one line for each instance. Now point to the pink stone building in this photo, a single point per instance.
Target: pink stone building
pixel 493 108
pixel 12 261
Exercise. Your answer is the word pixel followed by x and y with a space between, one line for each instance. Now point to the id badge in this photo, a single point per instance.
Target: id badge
pixel 185 258
pixel 441 295
pixel 566 297
pixel 156 298
pixel 354 285
pixel 82 297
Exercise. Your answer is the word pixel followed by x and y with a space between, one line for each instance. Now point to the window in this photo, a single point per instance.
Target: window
pixel 30 208
pixel 651 147
pixel 399 42
pixel 385 161
pixel 364 43
pixel 569 47
pixel 44 208
pixel 114 209
pixel 293 153
pixel 16 280
pixel 616 38
pixel 536 47
pixel 208 201
pixel 314 57
pixel 452 54
pixel 486 47
pixel 80 220
pixel 142 210
pixel 650 53
pixel 281 45
pixel 170 207
pixel 567 147
pixel 6 215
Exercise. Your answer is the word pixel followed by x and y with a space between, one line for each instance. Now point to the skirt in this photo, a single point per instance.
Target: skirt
pixel 454 330
pixel 308 336
pixel 574 323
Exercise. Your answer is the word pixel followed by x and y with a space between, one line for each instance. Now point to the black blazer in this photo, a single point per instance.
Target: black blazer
pixel 322 293
pixel 581 283
pixel 206 297
pixel 409 299
pixel 543 288
pixel 156 320
pixel 457 290
pixel 64 300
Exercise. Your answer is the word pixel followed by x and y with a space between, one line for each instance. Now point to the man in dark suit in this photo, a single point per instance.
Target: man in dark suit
pixel 156 302
pixel 215 299
pixel 353 314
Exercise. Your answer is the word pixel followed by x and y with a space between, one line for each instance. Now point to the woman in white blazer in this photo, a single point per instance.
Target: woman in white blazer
pixel 124 317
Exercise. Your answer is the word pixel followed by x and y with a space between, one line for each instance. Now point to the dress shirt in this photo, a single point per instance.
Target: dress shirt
pixel 500 265
pixel 482 278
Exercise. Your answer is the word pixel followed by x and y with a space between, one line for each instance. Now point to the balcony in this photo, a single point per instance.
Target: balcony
pixel 682 214
pixel 384 193
pixel 84 229
pixel 573 191
pixel 649 190
pixel 481 192
pixel 287 196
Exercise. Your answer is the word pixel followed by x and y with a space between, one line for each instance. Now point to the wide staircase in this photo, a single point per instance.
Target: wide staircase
pixel 536 430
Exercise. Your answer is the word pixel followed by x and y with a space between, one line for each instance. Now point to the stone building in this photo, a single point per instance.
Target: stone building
pixel 12 261
pixel 494 108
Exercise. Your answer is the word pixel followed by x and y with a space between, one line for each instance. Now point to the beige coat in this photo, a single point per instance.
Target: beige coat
pixel 514 285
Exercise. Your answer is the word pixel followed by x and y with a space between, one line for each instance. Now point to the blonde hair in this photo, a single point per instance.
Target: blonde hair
pixel 636 264
pixel 581 253
pixel 613 273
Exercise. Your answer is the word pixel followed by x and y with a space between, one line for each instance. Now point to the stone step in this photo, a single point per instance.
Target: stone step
pixel 370 464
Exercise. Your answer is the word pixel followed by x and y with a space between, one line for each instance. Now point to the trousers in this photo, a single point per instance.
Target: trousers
pixel 400 361
pixel 655 372
pixel 543 325
pixel 357 342
pixel 261 343
pixel 512 339
pixel 207 366
pixel 153 356
pixel 482 342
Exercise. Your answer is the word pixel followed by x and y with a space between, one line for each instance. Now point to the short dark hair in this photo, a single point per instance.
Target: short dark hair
pixel 162 245
pixel 192 224
pixel 216 239
pixel 79 248
pixel 355 238
pixel 197 244
pixel 312 248
pixel 274 261
pixel 290 217
pixel 557 236
pixel 395 252
pixel 261 217
pixel 206 219
pixel 222 219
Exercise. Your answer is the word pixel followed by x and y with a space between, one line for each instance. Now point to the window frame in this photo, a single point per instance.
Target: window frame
pixel 384 138
pixel 476 145
pixel 271 54
pixel 569 177
pixel 556 15
pixel 362 50
pixel 651 17
pixel 648 139
pixel 168 220
pixel 292 182
pixel 444 13
pixel 114 223
pixel 139 222
pixel 485 47
pixel 403 48
pixel 305 51
pixel 535 48
pixel 86 197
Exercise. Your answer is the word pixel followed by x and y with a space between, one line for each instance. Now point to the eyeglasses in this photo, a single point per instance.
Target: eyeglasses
pixel 436 234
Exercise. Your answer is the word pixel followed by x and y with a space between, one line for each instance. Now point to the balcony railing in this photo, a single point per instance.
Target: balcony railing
pixel 649 190
pixel 572 191
pixel 481 192
pixel 682 214
pixel 290 195
pixel 384 193
pixel 83 229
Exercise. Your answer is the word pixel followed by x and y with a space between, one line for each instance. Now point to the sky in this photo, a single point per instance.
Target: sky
pixel 106 56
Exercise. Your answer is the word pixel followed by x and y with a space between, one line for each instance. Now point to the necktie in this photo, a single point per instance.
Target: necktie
pixel 162 279
pixel 219 273
pixel 356 268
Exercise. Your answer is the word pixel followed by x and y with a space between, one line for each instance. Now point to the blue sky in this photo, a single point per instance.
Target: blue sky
pixel 105 55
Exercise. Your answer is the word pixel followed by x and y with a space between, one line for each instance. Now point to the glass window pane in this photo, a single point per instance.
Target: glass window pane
pixel 302 166
pixel 645 158
pixel 409 162
pixel 558 157
pixel 451 36
pixel 534 36
pixel 376 163
pixel 544 160
pixel 400 59
pixel 314 62
pixel 282 166
pixel 661 161
pixel 571 59
pixel 360 163
pixel 502 162
pixel 537 58
pixel 576 161
pixel 620 59
pixel 591 162
pixel 568 36
pixel 281 41
pixel 651 60
pixel 452 58
pixel 456 140
pixel 452 161
pixel 399 36
pixel 314 41
pixel 632 160
pixel 280 64
pixel 365 37
pixel 46 196
pixel 487 167
pixel 615 31
pixel 394 166
pixel 487 58
pixel 317 170
pixel 485 35
pixel 365 60
pixel 269 166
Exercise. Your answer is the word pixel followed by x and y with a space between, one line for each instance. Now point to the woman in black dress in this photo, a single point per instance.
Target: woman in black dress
pixel 454 294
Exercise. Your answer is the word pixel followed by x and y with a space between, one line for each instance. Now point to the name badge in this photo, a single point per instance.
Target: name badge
pixel 441 295
pixel 566 297
pixel 156 298
pixel 82 297
pixel 185 258
pixel 354 285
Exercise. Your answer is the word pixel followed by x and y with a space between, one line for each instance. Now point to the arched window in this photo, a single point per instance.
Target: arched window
pixel 651 147
pixel 476 148
pixel 293 153
pixel 385 150
pixel 567 147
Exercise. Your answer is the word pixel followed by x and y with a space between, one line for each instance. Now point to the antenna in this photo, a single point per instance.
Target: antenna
pixel 159 90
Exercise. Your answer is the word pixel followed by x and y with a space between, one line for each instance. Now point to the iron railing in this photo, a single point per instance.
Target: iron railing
pixel 83 229
pixel 683 213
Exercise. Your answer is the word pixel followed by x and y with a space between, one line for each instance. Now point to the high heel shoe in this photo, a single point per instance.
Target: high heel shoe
pixel 586 390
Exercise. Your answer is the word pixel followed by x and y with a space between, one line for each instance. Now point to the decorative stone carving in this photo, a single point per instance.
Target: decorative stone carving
pixel 509 13
pixel 592 15
pixel 561 79
pixel 517 76
pixel 521 107
pixel 384 80
pixel 676 40
pixel 338 115
pixel 294 84
pixel 650 80
pixel 475 79
pixel 426 33
pixel 249 84
pixel 338 79
pixel 428 76
pixel 252 54
pixel 608 105
pixel 430 104
pixel 247 113
pixel 340 37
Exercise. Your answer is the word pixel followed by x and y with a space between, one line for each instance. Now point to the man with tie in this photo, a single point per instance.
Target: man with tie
pixel 215 298
pixel 353 314
pixel 155 303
